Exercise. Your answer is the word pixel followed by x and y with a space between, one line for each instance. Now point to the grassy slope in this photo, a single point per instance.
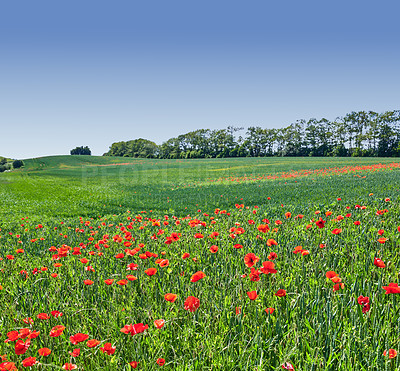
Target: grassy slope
pixel 95 185
pixel 220 166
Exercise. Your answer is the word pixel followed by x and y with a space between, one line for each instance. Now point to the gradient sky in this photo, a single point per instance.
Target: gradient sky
pixel 91 73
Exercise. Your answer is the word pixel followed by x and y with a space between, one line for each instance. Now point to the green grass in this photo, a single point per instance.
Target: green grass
pixel 92 202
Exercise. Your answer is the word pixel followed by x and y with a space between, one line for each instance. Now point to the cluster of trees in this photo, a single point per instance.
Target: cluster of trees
pixel 81 151
pixel 9 164
pixel 134 148
pixel 356 134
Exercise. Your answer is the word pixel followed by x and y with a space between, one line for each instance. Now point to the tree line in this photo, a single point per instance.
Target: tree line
pixel 359 134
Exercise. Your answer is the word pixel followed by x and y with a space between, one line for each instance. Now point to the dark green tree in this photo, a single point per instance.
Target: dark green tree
pixel 17 164
pixel 81 151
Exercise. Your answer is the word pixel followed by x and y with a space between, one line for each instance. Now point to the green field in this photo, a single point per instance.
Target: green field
pixel 91 186
pixel 121 212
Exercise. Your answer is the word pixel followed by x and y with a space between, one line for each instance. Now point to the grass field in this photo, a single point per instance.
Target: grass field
pixel 275 263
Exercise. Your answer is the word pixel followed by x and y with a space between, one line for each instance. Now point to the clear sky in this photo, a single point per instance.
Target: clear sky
pixel 92 72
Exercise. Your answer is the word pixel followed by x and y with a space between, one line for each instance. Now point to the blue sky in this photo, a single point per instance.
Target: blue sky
pixel 94 72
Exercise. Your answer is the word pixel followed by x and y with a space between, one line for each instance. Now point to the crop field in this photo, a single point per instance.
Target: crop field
pixel 213 264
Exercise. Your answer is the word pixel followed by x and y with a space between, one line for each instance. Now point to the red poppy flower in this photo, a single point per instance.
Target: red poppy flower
pixel 263 228
pixel 164 263
pixel 56 331
pixel 56 313
pixel 108 348
pixel 272 255
pixel 320 223
pixel 75 352
pixel 254 275
pixel 338 286
pixel 122 282
pixel 175 236
pixel 366 308
pixel 287 366
pixel 160 361
pixel 130 277
pixel 362 300
pixel 133 364
pixel 392 353
pixel 159 323
pixel 379 263
pixel 268 267
pixel 331 274
pixel 109 281
pixel 8 366
pixel 44 352
pixel 393 288
pixel 43 316
pixel 170 297
pixel 151 271
pixel 78 338
pixel 132 267
pixel 251 259
pixel 92 343
pixel 191 303
pixel 214 234
pixel 336 279
pixel 197 276
pixel 28 362
pixel 134 329
pixel 271 242
pixel 382 240
pixel 21 347
pixel 280 293
pixel 88 282
pixel 252 295
pixel 12 336
pixel 337 231
pixel 185 255
pixel 238 246
pixel 269 310
pixel 69 366
pixel 214 249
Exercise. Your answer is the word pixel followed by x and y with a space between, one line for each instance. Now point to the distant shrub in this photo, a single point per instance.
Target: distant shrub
pixel 2 168
pixel 17 164
pixel 3 161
